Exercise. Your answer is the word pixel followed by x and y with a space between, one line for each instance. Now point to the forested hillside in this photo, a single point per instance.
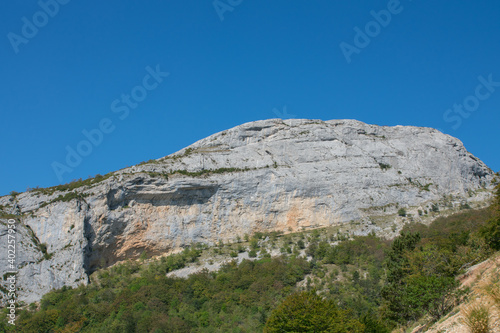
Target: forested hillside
pixel 322 282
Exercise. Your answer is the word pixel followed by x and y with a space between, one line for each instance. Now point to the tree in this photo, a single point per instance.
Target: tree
pixel 420 280
pixel 433 294
pixel 397 261
pixel 398 267
pixel 373 324
pixel 308 312
pixel 491 231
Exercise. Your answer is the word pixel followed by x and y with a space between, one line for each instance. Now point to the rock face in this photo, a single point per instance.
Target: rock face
pixel 260 176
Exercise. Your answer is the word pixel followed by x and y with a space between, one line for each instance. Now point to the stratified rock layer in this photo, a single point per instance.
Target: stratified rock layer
pixel 260 176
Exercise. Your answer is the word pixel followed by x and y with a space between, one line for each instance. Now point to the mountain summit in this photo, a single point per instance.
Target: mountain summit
pixel 284 175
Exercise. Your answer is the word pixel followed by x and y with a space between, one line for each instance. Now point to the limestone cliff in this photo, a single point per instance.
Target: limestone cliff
pixel 260 176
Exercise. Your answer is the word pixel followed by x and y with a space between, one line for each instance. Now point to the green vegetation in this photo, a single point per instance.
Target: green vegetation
pixel 158 174
pixel 384 166
pixel 208 171
pixel 149 162
pixel 187 152
pixel 41 246
pixel 73 184
pixel 465 206
pixel 66 198
pixel 308 312
pixel 491 231
pixel 350 284
pixel 4 215
pixel 477 318
pixel 402 212
pixel 133 298
pixel 419 185
pixel 425 187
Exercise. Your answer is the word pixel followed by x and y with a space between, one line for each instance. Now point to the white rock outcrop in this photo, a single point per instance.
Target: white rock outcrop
pixel 260 176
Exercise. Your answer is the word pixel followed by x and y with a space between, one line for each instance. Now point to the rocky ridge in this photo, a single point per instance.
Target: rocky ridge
pixel 261 176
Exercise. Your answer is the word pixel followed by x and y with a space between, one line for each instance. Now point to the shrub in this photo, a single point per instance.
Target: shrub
pixel 308 312
pixel 73 184
pixel 384 166
pixel 477 318
pixel 493 291
pixel 465 206
pixel 491 231
pixel 373 324
pixel 207 171
pixel 402 212
pixel 425 187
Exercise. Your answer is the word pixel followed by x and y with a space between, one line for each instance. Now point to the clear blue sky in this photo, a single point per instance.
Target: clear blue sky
pixel 263 56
